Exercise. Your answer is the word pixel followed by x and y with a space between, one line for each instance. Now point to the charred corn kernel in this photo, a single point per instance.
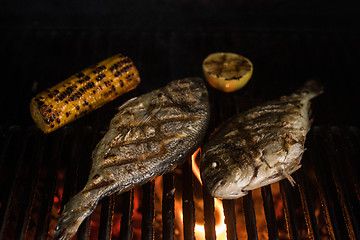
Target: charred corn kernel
pixel 227 72
pixel 83 92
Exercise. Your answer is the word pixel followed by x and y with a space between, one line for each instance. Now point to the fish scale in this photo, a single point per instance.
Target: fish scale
pixel 149 136
pixel 258 147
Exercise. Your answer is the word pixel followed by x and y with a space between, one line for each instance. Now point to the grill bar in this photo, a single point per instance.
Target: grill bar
pixel 9 207
pixel 339 179
pixel 168 206
pixel 84 229
pixel 269 213
pixel 330 206
pixel 72 171
pixel 126 230
pixel 209 210
pixel 307 204
pixel 250 216
pixel 289 210
pixel 52 166
pixel 106 218
pixel 230 220
pixel 10 153
pixel 188 201
pixel 352 147
pixel 36 142
pixel 328 213
pixel 147 232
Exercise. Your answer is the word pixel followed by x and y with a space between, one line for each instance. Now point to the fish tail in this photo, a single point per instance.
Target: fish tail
pixel 310 89
pixel 74 213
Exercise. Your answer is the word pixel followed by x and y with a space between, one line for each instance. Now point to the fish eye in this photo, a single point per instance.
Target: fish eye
pixel 214 164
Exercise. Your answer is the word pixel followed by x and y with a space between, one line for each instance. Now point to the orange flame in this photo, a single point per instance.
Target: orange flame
pixel 220 227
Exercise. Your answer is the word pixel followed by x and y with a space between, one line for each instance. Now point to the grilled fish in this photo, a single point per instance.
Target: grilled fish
pixel 149 136
pixel 258 147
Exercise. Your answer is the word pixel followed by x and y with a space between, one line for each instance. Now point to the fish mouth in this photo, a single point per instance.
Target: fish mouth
pixel 229 184
pixel 228 190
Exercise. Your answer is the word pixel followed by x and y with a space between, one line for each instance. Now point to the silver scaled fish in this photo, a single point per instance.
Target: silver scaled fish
pixel 149 136
pixel 258 147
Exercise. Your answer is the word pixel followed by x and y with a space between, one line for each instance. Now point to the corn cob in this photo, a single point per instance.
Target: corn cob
pixel 83 92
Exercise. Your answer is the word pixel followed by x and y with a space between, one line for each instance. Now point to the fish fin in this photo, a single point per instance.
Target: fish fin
pixel 311 89
pixel 125 105
pixel 145 118
pixel 288 176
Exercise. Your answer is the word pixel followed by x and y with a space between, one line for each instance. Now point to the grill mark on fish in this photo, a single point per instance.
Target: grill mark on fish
pixel 272 118
pixel 99 185
pixel 159 122
pixel 142 157
pixel 259 146
pixel 140 141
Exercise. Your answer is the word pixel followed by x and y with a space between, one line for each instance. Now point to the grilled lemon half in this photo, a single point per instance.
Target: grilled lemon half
pixel 226 71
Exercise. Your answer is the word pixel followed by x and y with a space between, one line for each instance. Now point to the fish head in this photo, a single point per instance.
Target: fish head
pixel 223 176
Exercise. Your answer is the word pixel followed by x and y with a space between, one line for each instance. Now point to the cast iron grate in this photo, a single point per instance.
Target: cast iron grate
pixel 324 204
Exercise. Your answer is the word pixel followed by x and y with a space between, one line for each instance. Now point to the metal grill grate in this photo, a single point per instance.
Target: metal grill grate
pixel 324 204
pixel 40 173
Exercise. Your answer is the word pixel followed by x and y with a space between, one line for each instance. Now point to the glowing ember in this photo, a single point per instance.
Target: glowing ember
pixel 220 227
pixel 137 217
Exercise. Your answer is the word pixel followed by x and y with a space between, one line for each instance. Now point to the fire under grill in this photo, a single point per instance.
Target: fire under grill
pixel 40 173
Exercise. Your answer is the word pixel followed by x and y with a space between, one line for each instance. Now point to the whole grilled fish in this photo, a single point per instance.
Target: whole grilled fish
pixel 258 147
pixel 149 136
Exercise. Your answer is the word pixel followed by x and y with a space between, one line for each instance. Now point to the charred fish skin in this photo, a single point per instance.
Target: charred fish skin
pixel 258 147
pixel 149 136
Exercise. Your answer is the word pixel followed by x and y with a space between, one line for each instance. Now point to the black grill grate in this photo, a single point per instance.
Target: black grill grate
pixel 324 204
pixel 39 173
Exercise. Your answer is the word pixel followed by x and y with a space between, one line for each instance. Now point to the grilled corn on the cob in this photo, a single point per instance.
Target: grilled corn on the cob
pixel 83 92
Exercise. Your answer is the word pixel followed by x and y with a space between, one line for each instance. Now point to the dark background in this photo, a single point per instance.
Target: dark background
pixel 44 42
pixel 185 15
